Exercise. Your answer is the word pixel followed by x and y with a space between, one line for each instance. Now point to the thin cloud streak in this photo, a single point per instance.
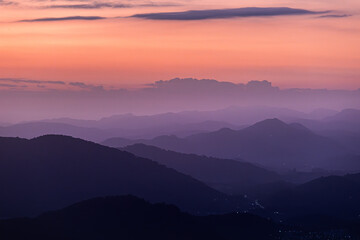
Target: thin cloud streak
pixel 19 80
pixel 97 5
pixel 335 16
pixel 71 18
pixel 226 13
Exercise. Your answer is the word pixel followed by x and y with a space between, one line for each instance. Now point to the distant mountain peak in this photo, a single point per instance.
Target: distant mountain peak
pixel 346 115
pixel 270 123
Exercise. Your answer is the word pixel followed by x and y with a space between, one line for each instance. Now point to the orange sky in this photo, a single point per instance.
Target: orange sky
pixel 290 51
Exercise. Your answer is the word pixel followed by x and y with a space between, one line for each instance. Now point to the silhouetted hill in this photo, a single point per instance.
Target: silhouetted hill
pixel 271 143
pixel 226 175
pixel 52 171
pixel 336 196
pixel 37 129
pixel 128 217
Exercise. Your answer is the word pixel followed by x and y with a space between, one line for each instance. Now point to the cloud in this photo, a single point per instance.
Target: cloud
pixel 87 86
pixel 7 3
pixel 19 80
pixel 335 16
pixel 225 13
pixel 8 85
pixel 98 5
pixel 86 18
pixel 90 6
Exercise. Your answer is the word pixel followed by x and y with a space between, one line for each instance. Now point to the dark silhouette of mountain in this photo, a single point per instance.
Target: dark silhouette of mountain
pixel 52 171
pixel 266 190
pixel 225 175
pixel 271 143
pixel 128 217
pixel 336 196
pixel 349 139
pixel 37 129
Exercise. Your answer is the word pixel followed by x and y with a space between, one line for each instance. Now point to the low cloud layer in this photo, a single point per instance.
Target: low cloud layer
pixel 87 86
pixel 84 100
pixel 226 13
pixel 86 18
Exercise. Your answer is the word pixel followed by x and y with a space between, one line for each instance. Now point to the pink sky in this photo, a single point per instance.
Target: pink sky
pixel 290 51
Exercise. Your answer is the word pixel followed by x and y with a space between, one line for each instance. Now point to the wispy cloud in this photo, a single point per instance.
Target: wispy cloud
pixel 7 3
pixel 19 83
pixel 20 80
pixel 87 86
pixel 226 13
pixel 8 85
pixel 90 5
pixel 98 5
pixel 335 16
pixel 71 18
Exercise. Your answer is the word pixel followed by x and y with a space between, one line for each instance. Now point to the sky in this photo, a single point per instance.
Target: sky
pixel 129 43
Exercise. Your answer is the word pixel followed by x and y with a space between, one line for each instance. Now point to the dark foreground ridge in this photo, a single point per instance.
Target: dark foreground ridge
pixel 128 217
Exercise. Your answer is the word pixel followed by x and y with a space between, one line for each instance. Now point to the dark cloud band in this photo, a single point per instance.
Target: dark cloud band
pixel 335 16
pixel 86 18
pixel 19 80
pixel 225 13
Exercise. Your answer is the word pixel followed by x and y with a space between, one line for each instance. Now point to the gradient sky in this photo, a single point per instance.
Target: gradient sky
pixel 311 50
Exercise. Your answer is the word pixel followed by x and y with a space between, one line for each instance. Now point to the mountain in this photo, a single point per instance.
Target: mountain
pixel 336 196
pixel 348 120
pixel 128 217
pixel 37 129
pixel 343 127
pixel 346 115
pixel 225 175
pixel 271 143
pixel 229 117
pixel 52 171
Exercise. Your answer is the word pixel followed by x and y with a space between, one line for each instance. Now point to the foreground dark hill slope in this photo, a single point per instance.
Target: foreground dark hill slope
pixel 128 217
pixel 271 143
pixel 226 175
pixel 336 196
pixel 52 171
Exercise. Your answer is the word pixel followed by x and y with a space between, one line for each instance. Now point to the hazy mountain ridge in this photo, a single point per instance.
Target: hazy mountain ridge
pixel 222 174
pixel 52 171
pixel 270 142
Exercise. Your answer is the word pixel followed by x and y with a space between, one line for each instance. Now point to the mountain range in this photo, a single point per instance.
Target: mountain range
pixel 225 175
pixel 51 172
pixel 271 143
pixel 336 196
